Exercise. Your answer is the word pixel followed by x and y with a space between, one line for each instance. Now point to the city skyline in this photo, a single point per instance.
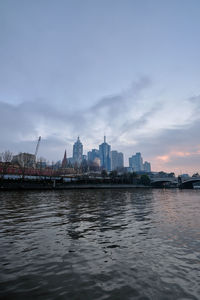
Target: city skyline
pixel 129 69
pixel 106 158
pixel 83 152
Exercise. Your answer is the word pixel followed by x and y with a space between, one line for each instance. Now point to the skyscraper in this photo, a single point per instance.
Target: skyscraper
pixel 93 154
pixel 147 166
pixel 77 151
pixel 117 160
pixel 136 162
pixel 104 153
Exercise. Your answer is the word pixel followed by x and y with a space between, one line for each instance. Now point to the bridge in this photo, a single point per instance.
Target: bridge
pixel 163 181
pixel 187 183
pixel 181 182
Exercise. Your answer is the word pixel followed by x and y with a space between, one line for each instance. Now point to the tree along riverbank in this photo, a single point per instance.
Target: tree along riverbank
pixel 6 185
pixel 60 184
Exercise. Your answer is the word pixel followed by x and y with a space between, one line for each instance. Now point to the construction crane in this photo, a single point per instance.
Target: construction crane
pixel 37 147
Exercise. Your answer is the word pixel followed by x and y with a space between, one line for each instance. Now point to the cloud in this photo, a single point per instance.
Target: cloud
pixel 24 122
pixel 125 97
pixel 177 149
pixel 131 121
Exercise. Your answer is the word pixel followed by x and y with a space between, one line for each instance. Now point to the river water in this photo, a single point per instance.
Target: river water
pixel 100 244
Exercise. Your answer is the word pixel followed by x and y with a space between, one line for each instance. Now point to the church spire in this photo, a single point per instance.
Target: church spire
pixel 64 161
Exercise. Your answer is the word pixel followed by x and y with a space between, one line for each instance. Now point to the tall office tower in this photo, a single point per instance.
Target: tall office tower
pixel 64 161
pixel 136 162
pixel 104 153
pixel 120 160
pixel 84 157
pixel 77 151
pixel 93 154
pixel 117 160
pixel 147 166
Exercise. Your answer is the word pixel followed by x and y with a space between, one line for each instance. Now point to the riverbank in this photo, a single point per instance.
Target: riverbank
pixel 6 186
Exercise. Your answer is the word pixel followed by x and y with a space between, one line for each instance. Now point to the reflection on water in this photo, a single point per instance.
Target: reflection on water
pixel 100 244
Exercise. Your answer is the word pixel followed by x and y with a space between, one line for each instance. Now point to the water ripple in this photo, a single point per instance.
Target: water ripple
pixel 104 244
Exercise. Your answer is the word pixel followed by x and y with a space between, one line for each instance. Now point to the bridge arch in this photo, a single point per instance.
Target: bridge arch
pixel 162 182
pixel 188 184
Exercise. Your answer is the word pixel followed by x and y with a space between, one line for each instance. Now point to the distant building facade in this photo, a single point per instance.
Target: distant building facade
pixel 136 162
pixel 24 159
pixel 92 155
pixel 77 152
pixel 105 155
pixel 117 160
pixel 84 157
pixel 70 161
pixel 147 166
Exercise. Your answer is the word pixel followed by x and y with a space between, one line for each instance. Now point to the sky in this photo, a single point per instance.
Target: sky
pixel 129 69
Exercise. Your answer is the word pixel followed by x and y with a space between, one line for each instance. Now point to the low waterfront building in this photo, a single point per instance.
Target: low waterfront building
pixel 24 159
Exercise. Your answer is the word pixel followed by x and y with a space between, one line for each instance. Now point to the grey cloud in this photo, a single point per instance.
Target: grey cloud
pixel 118 103
pixel 186 162
pixel 20 126
pixel 196 102
pixel 112 110
pixel 13 121
pixel 183 138
pixel 136 124
pixel 22 122
pixel 170 139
